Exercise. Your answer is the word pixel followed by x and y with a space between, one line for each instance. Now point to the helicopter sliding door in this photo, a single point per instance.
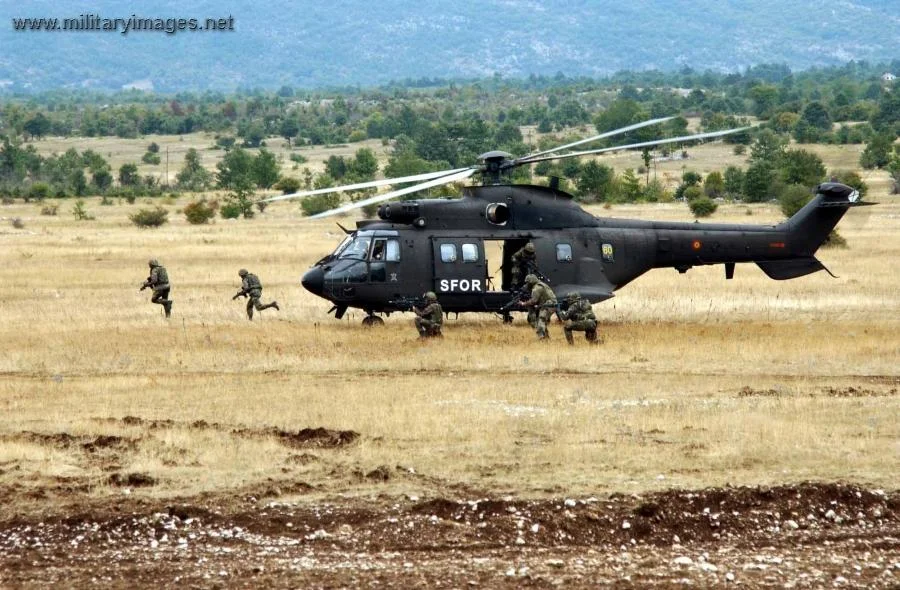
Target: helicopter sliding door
pixel 459 266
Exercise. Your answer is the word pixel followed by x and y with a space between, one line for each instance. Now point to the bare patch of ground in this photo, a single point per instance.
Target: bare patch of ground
pixel 805 535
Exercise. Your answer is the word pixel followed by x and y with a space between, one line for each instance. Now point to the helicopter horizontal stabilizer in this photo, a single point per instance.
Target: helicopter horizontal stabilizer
pixel 791 268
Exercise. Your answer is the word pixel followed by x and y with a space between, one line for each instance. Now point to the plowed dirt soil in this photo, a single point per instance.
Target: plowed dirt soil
pixel 801 536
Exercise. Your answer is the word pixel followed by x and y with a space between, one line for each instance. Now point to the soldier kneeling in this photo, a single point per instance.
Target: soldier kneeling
pixel 579 316
pixel 430 318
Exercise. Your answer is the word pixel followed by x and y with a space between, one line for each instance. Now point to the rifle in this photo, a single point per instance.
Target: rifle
pixel 518 296
pixel 146 284
pixel 407 303
pixel 239 294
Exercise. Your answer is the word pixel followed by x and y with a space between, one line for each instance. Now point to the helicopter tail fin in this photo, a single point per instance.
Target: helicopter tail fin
pixel 810 226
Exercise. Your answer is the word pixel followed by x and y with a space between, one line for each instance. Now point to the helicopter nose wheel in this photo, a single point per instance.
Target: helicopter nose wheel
pixel 371 321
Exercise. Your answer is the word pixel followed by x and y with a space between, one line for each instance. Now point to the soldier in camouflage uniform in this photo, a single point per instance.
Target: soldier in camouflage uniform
pixel 430 318
pixel 579 317
pixel 159 282
pixel 252 288
pixel 523 263
pixel 543 301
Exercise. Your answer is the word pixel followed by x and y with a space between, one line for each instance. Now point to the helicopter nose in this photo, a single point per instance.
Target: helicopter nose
pixel 314 280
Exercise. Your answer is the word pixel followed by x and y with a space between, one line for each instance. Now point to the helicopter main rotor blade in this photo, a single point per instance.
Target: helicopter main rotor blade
pixel 447 179
pixel 525 159
pixel 362 185
pixel 639 145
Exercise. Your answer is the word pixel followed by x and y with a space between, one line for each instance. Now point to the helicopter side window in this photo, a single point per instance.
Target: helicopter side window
pixel 470 253
pixel 378 250
pixel 392 251
pixel 448 252
pixel 564 253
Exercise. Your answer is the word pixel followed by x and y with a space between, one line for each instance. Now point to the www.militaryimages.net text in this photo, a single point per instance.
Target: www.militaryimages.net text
pixel 98 24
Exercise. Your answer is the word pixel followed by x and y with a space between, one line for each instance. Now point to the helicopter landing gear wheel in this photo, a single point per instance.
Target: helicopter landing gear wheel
pixel 507 318
pixel 371 321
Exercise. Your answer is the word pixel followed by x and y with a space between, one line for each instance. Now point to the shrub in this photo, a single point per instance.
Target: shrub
pixel 702 207
pixel 692 193
pixel 49 209
pixel 80 212
pixel 298 158
pixel 17 223
pixel 106 201
pixel 150 217
pixel 7 200
pixel 288 185
pixel 230 210
pixel 39 190
pixel 151 158
pixel 200 212
pixel 320 203
pixel 740 149
pixel 793 198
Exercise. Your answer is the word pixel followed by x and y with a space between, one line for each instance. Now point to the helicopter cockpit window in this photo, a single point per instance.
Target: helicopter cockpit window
pixel 448 252
pixel 564 252
pixel 358 249
pixel 392 251
pixel 470 253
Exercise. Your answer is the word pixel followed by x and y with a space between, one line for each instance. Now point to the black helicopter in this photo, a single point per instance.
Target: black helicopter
pixel 462 248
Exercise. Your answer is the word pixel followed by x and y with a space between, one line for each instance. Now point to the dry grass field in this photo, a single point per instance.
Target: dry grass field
pixel 701 382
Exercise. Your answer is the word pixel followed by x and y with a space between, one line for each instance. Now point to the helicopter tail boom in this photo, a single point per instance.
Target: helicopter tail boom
pixel 810 226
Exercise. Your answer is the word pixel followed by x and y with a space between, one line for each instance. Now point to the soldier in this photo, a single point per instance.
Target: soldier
pixel 159 282
pixel 523 263
pixel 252 288
pixel 430 318
pixel 579 316
pixel 543 301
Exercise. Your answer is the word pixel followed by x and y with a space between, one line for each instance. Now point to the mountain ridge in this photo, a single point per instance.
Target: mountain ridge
pixel 347 42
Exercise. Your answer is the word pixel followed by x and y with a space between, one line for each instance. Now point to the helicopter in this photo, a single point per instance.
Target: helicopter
pixel 462 248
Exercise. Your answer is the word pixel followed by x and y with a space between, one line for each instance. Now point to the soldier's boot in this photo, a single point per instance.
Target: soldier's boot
pixel 250 313
pixel 569 338
pixel 167 306
pixel 275 305
pixel 591 336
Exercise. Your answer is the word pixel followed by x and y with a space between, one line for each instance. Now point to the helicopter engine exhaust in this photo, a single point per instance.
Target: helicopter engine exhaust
pixel 399 212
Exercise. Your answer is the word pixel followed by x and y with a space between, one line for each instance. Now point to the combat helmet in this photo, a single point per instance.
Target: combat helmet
pixel 430 296
pixel 531 279
pixel 153 262
pixel 242 272
pixel 529 247
pixel 573 296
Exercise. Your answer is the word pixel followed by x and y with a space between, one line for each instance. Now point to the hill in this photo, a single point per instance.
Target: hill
pixel 347 42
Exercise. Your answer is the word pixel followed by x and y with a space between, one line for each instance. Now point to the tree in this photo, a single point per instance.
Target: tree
pixel 767 147
pixel 128 175
pixel 594 181
pixel 37 126
pixel 336 167
pixel 630 186
pixel 878 151
pixel 193 176
pixel 758 181
pixel 817 116
pixel 801 167
pixel 714 185
pixel 364 165
pixel 265 169
pixel 289 129
pixel 620 113
pixel 235 174
pixel 702 207
pixel 764 97
pixel 734 181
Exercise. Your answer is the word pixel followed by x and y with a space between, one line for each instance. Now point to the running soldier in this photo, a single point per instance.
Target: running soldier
pixel 430 318
pixel 543 302
pixel 252 288
pixel 579 317
pixel 159 282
